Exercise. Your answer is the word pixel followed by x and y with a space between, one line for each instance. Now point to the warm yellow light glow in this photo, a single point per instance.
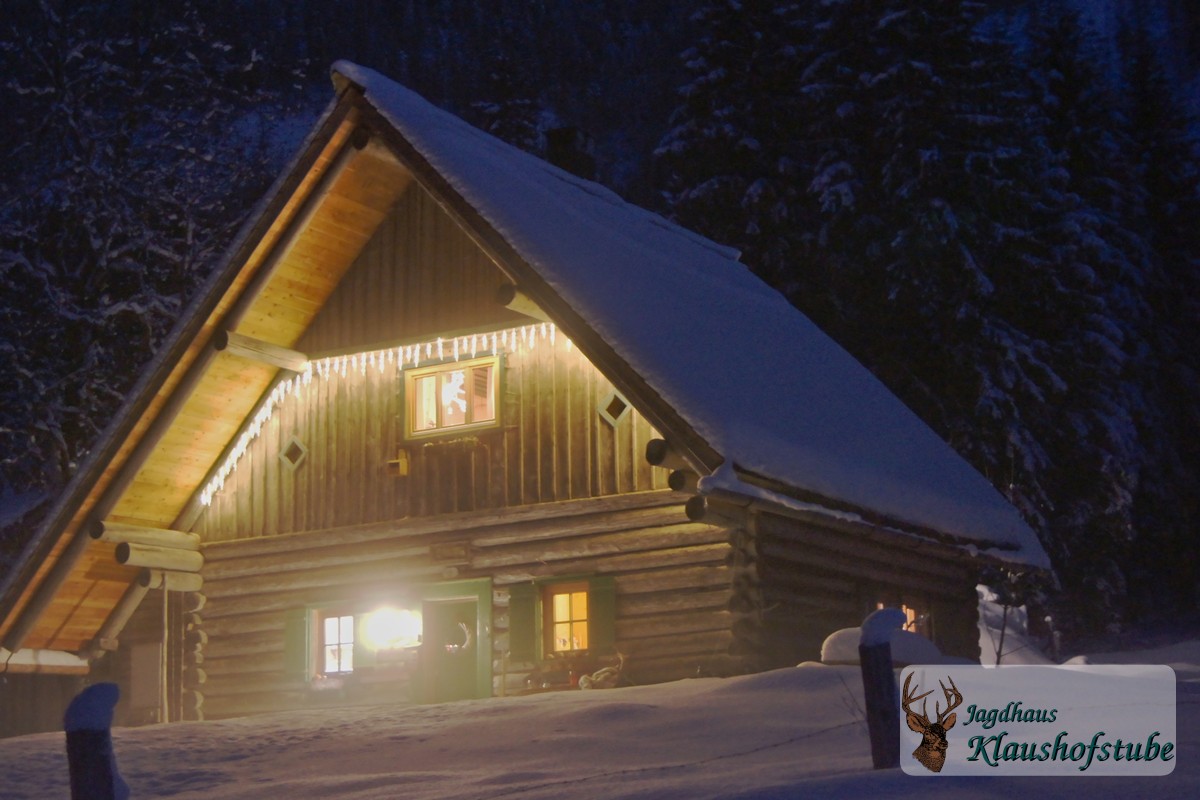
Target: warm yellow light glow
pixel 392 629
pixel 510 340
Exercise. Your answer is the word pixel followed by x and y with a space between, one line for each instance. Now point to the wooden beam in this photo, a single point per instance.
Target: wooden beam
pixel 683 480
pixel 111 629
pixel 512 298
pixel 257 350
pixel 660 454
pixel 170 580
pixel 169 558
pixel 718 512
pixel 117 532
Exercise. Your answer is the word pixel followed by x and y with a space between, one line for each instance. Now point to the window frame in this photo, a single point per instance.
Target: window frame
pixel 918 613
pixel 550 620
pixel 344 646
pixel 304 642
pixel 527 618
pixel 410 398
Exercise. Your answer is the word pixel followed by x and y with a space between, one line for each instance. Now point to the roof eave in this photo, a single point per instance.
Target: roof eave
pixel 836 513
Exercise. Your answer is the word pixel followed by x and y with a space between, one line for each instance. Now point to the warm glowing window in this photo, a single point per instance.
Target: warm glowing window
pixel 914 620
pixel 566 609
pixel 337 644
pixel 450 396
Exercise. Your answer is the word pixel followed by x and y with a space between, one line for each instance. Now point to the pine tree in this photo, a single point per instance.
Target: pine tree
pixel 725 163
pixel 1164 151
pixel 135 159
pixel 508 108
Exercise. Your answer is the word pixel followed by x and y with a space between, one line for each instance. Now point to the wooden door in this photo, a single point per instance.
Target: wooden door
pixel 449 649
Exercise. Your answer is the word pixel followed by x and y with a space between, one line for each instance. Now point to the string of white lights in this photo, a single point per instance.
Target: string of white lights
pixel 409 356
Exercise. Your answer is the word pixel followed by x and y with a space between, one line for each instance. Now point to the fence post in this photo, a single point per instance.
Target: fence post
pixel 90 758
pixel 879 685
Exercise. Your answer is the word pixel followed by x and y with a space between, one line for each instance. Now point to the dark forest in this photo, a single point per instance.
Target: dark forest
pixel 992 205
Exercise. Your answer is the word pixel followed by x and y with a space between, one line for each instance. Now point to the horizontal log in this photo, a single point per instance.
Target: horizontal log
pixel 862 570
pixel 716 512
pixel 485 527
pixel 233 646
pixel 656 603
pixel 645 540
pixel 616 564
pixel 684 645
pixel 781 578
pixel 668 624
pixel 167 558
pixel 683 480
pixel 574 527
pixel 915 557
pixel 193 701
pixel 227 668
pixel 350 592
pixel 512 298
pixel 170 580
pixel 257 350
pixel 402 572
pixel 660 454
pixel 675 578
pixel 117 532
pixel 252 622
pixel 298 561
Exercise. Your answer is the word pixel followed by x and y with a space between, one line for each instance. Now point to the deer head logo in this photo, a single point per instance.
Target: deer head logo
pixel 932 750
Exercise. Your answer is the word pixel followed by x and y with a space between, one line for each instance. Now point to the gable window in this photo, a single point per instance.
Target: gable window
pixel 566 624
pixel 452 396
pixel 337 644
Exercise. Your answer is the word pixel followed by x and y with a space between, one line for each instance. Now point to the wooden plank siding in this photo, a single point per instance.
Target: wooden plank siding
pixel 551 444
pixel 672 579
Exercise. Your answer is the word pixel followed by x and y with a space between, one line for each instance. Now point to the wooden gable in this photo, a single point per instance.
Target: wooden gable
pixel 422 277
pixel 183 415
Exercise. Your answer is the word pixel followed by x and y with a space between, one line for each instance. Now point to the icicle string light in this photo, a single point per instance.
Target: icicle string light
pixel 509 340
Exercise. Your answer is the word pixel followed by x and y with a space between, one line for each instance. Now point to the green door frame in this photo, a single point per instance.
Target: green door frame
pixel 479 590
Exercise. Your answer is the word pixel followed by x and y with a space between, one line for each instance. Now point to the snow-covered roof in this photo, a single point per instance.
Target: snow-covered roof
pixel 752 375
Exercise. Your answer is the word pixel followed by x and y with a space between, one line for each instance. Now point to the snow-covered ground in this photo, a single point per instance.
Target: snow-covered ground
pixel 789 733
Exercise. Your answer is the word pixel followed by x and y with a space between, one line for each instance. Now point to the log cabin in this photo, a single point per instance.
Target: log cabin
pixel 450 422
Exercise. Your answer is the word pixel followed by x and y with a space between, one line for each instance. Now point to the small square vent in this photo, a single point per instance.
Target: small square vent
pixel 293 453
pixel 613 407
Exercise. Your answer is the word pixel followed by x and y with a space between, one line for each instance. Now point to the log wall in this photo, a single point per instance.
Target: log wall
pixel 34 702
pixel 811 580
pixel 672 580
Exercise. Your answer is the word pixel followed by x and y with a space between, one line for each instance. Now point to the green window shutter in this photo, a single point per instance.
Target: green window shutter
pixel 522 622
pixel 364 656
pixel 602 614
pixel 296 645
